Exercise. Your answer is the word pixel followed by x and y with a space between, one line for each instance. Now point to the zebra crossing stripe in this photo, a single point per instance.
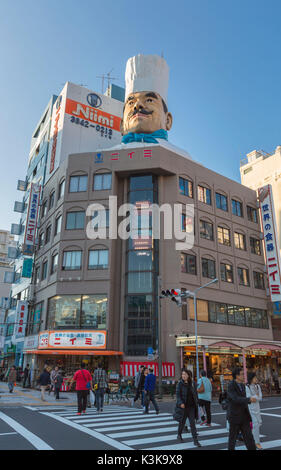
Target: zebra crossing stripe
pixel 95 413
pixel 171 437
pixel 130 426
pixel 265 445
pixel 150 431
pixel 120 418
pixel 191 445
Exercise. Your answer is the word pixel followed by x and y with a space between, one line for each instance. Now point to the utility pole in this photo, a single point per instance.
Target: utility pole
pixel 106 77
pixel 159 336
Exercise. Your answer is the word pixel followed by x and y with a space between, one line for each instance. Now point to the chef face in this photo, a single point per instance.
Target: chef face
pixel 145 112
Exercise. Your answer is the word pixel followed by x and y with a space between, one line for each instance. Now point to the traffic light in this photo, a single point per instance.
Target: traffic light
pixel 166 293
pixel 176 296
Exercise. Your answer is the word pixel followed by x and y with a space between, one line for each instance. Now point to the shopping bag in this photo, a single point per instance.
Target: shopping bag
pixel 92 397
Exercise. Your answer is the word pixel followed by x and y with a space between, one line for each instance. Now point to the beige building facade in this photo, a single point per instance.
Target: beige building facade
pixel 84 286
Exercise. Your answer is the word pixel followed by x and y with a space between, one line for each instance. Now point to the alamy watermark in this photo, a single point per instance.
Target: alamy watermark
pixel 142 221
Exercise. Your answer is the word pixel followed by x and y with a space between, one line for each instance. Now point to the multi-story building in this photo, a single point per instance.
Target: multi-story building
pixel 98 298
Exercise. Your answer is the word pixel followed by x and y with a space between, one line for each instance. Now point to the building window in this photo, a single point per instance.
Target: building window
pixel 61 189
pixel 77 312
pixel 140 312
pixel 44 209
pixel 34 319
pixel 224 236
pixel 54 263
pixel 206 230
pixel 208 268
pixel 221 202
pixel 75 220
pixel 37 275
pixel 52 200
pixel 237 208
pixel 187 224
pixel 252 214
pixel 226 272
pixel 72 260
pixel 237 315
pixel 48 234
pixel 140 260
pixel 41 240
pixel 258 280
pixel 58 224
pixel 255 245
pixel 98 259
pixel 204 195
pixel 78 184
pixel 239 241
pixel 102 181
pixel 243 277
pixel 103 215
pixel 44 270
pixel 186 187
pixel 188 264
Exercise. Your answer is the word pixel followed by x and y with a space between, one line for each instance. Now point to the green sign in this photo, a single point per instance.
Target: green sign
pixel 27 267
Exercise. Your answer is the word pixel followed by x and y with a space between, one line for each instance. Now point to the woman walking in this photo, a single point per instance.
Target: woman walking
pixel 253 390
pixel 12 377
pixel 186 405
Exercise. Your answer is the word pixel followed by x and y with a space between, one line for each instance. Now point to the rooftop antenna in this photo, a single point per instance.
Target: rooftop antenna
pixel 107 77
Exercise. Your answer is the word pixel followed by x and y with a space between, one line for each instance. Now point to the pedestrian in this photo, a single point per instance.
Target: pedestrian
pixel 12 377
pixel 186 405
pixel 275 378
pixel 58 384
pixel 53 375
pixel 253 390
pixel 100 385
pixel 26 376
pixel 238 412
pixel 149 390
pixel 204 391
pixel 83 380
pixel 44 382
pixel 137 383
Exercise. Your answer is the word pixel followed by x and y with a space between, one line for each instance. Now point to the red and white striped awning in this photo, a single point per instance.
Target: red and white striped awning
pixel 130 369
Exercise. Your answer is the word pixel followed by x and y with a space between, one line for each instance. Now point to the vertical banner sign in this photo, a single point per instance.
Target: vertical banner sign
pixel 21 318
pixel 31 220
pixel 271 246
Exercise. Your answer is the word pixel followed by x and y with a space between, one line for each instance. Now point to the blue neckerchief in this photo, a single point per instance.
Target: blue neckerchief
pixel 149 138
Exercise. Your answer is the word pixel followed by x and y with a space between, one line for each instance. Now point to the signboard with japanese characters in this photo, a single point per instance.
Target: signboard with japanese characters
pixel 31 220
pixel 271 246
pixel 21 318
pixel 75 339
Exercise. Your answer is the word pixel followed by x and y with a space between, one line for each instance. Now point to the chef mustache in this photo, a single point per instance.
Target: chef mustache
pixel 139 111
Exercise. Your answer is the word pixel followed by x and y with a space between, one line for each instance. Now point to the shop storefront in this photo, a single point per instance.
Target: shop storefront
pixel 130 369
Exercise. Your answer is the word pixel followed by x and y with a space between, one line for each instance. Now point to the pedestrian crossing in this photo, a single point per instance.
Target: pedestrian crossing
pixel 128 428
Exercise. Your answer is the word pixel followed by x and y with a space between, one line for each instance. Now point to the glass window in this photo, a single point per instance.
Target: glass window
pixel 186 187
pixel 37 274
pixel 206 230
pixel 221 202
pixel 248 317
pixel 48 234
pixel 224 236
pixel 64 311
pixel 139 260
pixel 212 312
pixel 75 220
pixel 237 208
pixel 58 224
pixel 252 214
pixel 102 181
pixel 61 189
pixel 141 182
pixel 72 260
pixel 243 277
pixel 52 200
pixel 231 314
pixel 34 319
pixel 93 314
pixel 98 259
pixel 187 224
pixel 44 270
pixel 139 282
pixel 208 268
pixel 240 316
pixel 78 183
pixel 239 241
pixel 204 195
pixel 188 264
pixel 221 313
pixel 54 263
pixel 255 245
pixel 258 280
pixel 226 272
pixel 104 219
pixel 41 239
pixel 44 209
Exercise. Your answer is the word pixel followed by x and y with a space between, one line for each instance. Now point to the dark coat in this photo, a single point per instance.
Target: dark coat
pixel 58 381
pixel 181 396
pixel 237 409
pixel 44 378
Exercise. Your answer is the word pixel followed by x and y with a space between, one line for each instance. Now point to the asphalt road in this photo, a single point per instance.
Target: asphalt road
pixel 123 428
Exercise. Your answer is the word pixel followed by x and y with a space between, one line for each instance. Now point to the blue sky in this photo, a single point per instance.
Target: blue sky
pixel 225 71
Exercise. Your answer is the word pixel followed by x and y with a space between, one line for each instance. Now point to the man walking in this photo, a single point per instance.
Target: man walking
pixel 57 384
pixel 149 389
pixel 238 413
pixel 12 377
pixel 204 391
pixel 100 385
pixel 44 381
pixel 137 385
pixel 83 378
pixel 26 376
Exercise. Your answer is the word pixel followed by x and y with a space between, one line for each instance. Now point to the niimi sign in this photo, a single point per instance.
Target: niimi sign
pixel 271 246
pixel 72 339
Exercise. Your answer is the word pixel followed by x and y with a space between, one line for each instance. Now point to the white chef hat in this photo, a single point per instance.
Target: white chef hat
pixel 147 73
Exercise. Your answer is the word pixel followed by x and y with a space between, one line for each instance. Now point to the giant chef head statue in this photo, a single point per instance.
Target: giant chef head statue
pixel 146 117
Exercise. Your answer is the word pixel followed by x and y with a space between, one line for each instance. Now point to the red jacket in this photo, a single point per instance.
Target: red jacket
pixel 81 378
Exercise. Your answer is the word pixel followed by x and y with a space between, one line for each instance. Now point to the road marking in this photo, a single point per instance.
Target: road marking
pixel 265 445
pixel 150 431
pixel 95 434
pixel 190 445
pixel 7 433
pixel 29 436
pixel 270 414
pixel 133 419
pixel 119 428
pixel 171 437
pixel 100 415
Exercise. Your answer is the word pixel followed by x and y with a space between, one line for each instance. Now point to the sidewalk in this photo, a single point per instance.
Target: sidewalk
pixel 32 397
